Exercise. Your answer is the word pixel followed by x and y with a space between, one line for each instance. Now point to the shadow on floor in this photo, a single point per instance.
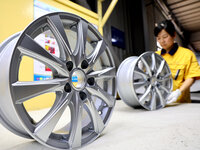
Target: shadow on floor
pixel 33 145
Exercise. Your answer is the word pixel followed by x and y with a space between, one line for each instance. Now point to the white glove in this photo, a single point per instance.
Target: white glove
pixel 173 96
pixel 140 65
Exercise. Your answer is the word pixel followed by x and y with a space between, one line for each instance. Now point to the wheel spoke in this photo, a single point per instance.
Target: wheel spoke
pixel 45 127
pixel 107 73
pixel 140 84
pixel 153 67
pixel 26 90
pixel 161 67
pixel 100 48
pixel 165 78
pixel 143 98
pixel 58 30
pixel 162 101
pixel 148 69
pixel 165 89
pixel 140 73
pixel 153 101
pixel 32 49
pixel 99 92
pixel 79 53
pixel 94 115
pixel 76 107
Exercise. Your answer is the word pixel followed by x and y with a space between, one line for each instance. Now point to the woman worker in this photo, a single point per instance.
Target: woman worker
pixel 182 62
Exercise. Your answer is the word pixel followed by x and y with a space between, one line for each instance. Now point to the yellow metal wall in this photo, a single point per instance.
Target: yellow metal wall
pixel 15 15
pixel 71 7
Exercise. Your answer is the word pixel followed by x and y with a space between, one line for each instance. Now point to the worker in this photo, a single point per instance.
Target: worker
pixel 182 62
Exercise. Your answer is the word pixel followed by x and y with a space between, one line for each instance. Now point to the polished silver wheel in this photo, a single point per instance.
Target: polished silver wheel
pixel 82 78
pixel 144 81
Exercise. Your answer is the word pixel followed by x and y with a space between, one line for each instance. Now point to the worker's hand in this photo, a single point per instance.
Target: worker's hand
pixel 173 96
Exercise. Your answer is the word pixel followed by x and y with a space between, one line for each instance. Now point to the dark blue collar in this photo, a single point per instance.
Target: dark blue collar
pixel 172 51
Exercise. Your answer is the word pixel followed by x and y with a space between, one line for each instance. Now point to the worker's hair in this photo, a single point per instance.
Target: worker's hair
pixel 167 25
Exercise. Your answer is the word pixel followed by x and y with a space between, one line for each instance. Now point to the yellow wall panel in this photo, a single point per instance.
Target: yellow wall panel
pixel 15 16
pixel 71 7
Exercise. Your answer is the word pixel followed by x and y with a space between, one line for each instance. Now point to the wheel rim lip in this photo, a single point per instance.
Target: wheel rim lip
pixel 10 123
pixel 8 40
pixel 119 75
pixel 25 126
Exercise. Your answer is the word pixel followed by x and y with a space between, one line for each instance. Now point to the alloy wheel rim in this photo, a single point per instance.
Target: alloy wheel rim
pixel 90 104
pixel 148 86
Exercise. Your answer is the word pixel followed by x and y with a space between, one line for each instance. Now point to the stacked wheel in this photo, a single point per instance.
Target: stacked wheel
pixel 144 81
pixel 87 102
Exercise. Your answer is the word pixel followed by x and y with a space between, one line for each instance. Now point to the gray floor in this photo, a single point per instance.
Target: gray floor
pixel 172 128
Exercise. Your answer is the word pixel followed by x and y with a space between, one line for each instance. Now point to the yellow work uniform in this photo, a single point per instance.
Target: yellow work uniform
pixel 183 65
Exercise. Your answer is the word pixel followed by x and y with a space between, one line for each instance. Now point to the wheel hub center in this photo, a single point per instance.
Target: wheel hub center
pixel 78 79
pixel 153 81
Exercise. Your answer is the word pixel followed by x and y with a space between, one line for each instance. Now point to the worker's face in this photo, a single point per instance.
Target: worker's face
pixel 165 40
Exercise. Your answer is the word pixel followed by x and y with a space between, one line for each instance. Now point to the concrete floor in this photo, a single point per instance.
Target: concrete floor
pixel 175 127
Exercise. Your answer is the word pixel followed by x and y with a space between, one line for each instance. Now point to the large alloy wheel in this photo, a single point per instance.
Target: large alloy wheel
pixel 144 81
pixel 82 79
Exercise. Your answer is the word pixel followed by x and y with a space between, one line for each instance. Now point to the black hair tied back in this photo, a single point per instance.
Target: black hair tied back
pixel 167 25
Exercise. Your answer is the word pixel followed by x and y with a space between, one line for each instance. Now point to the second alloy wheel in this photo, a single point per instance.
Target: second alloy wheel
pixel 144 81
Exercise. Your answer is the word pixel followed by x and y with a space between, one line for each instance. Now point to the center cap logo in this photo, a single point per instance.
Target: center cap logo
pixel 74 80
pixel 78 79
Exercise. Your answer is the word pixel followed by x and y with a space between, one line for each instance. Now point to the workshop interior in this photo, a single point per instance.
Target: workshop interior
pixel 86 74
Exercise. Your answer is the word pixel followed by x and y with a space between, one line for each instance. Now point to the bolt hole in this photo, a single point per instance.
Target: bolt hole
pixel 91 81
pixel 84 64
pixel 67 88
pixel 158 85
pixel 69 65
pixel 83 96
